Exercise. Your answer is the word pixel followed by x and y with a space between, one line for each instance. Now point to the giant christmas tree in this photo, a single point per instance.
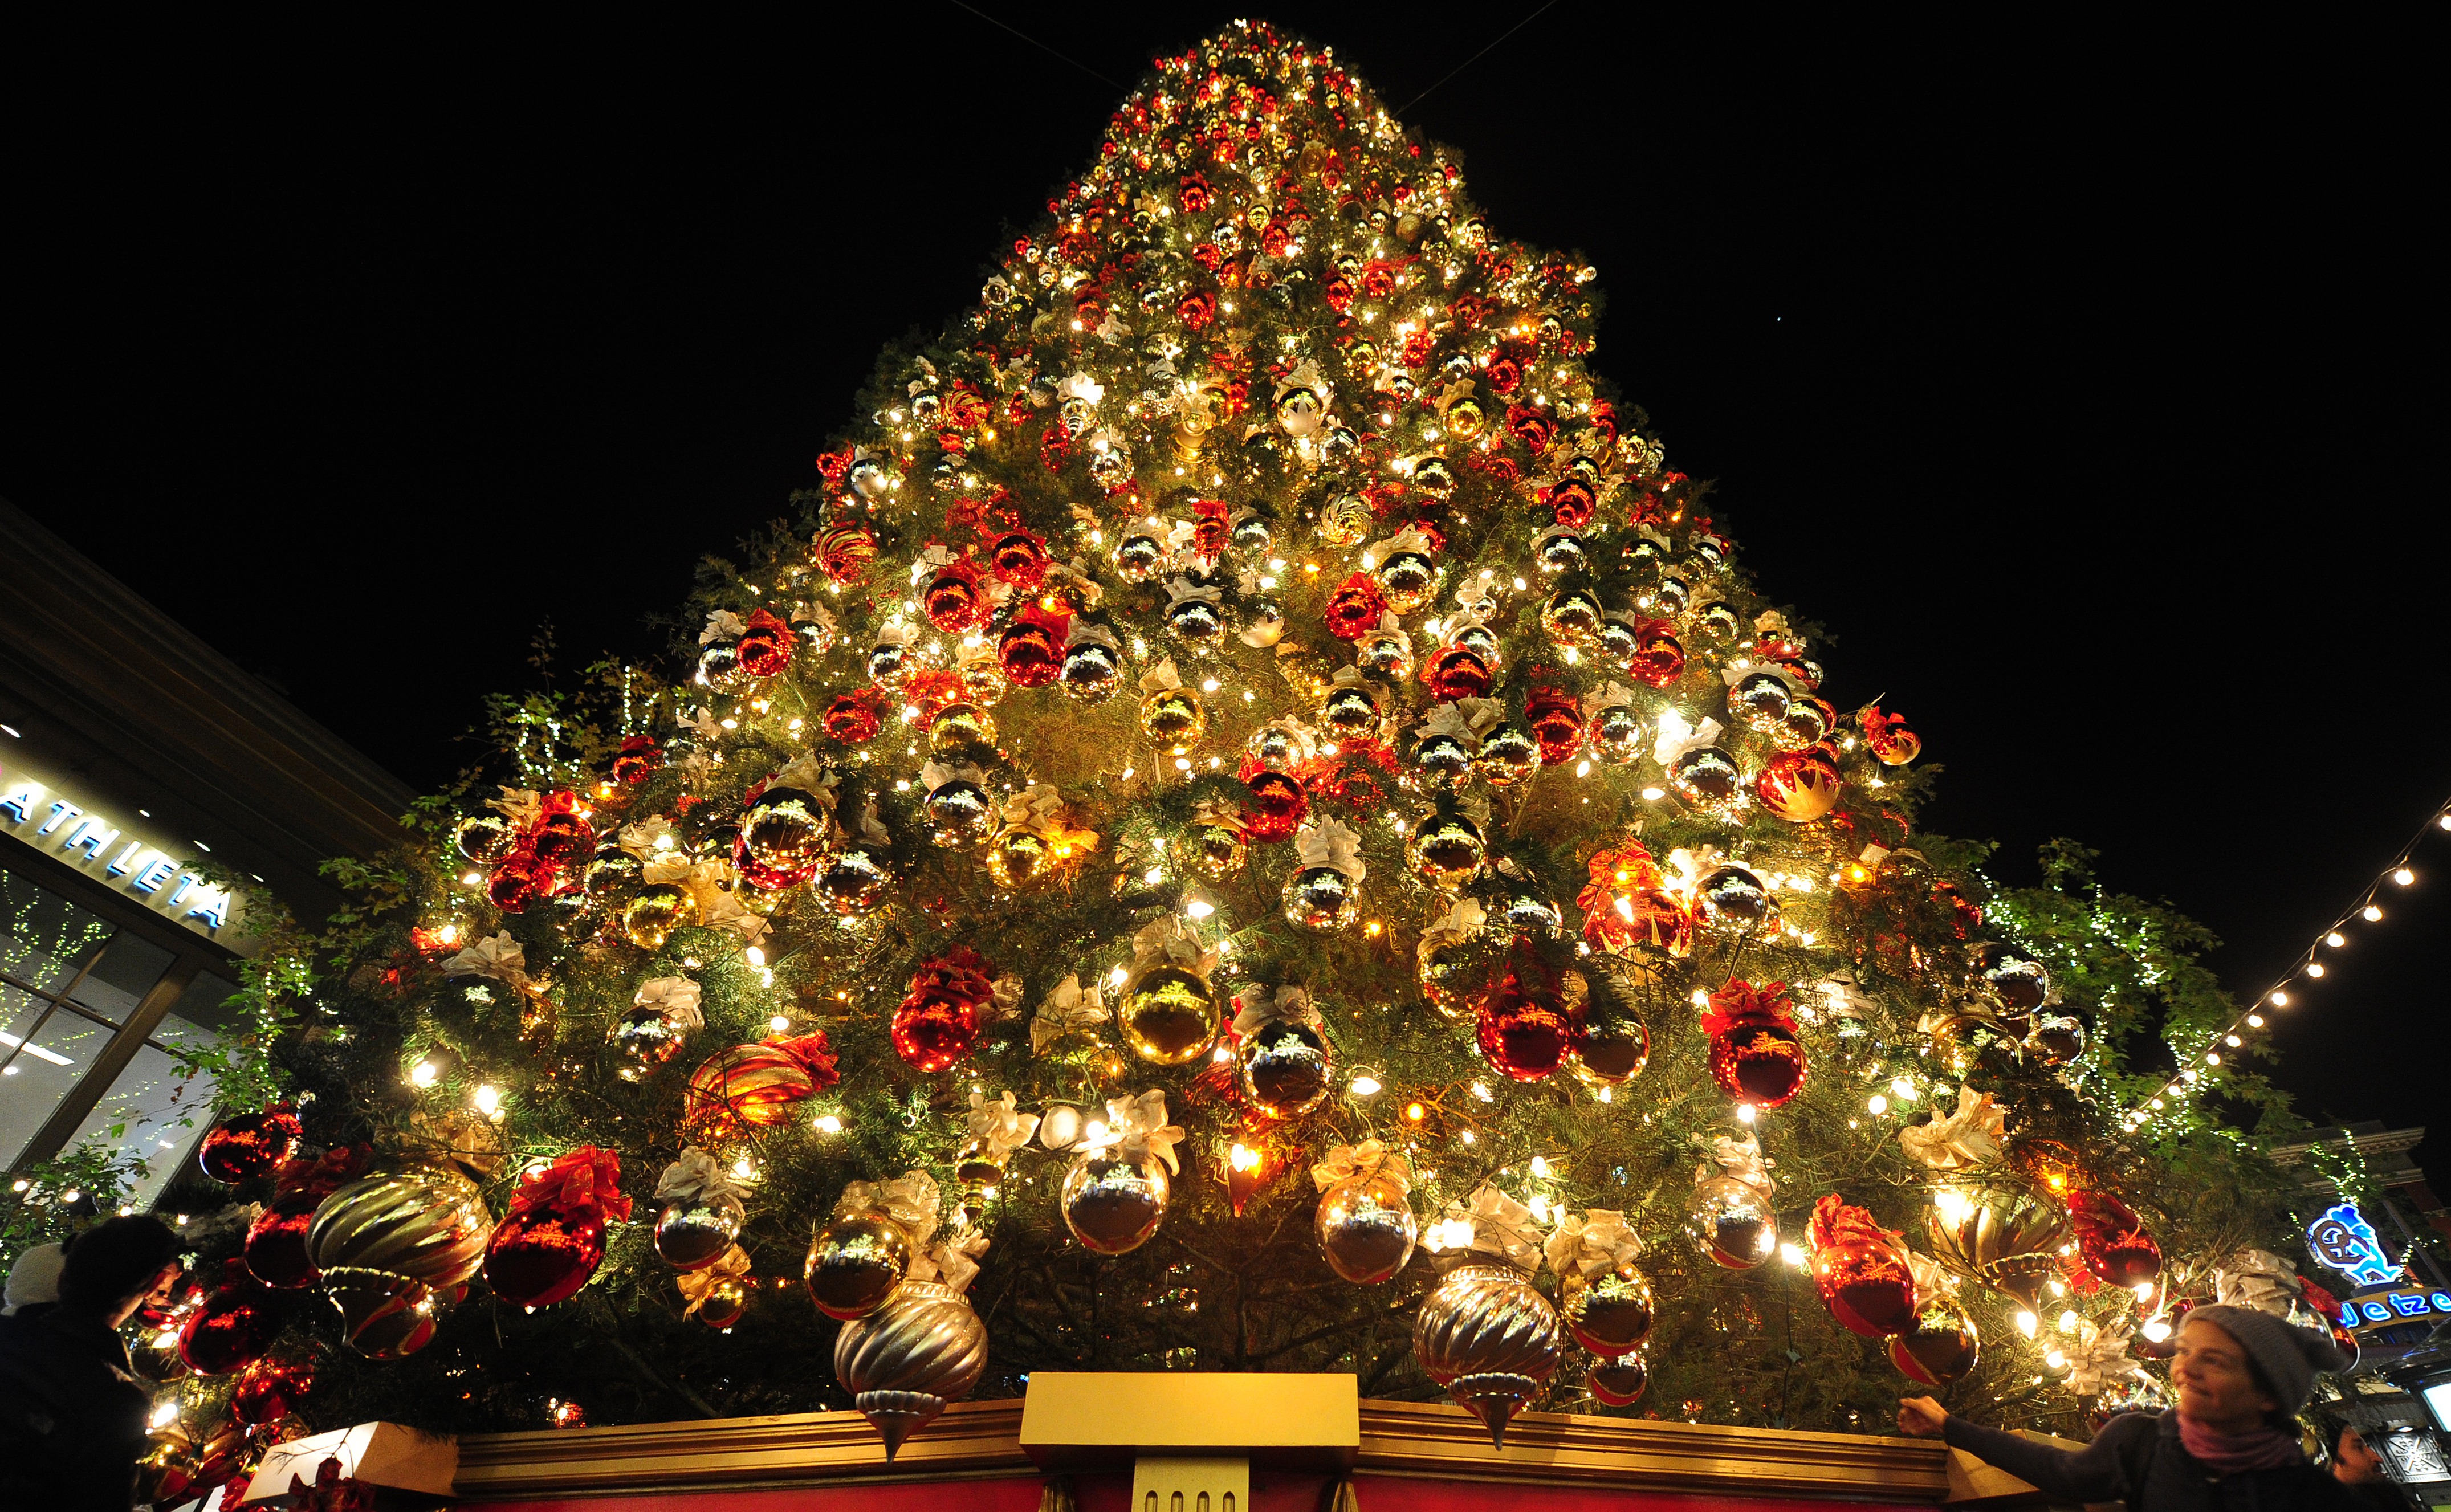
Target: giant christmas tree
pixel 1252 822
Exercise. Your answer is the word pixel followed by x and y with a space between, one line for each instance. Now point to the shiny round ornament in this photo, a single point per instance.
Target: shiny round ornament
pixel 1734 897
pixel 857 1263
pixel 1350 711
pixel 563 840
pixel 1139 556
pixel 1809 721
pixel 1717 618
pixel 1385 655
pixel 1445 850
pixel 1345 520
pixel 1168 1013
pixel 1732 1222
pixel 1366 1229
pixel 1612 1312
pixel 647 1037
pixel 854 881
pixel 1617 736
pixel 545 1254
pixel 785 829
pixel 234 1327
pixel 1613 1049
pixel 889 664
pixel 484 839
pixel 759 1085
pixel 1487 1335
pixel 1284 1069
pixel 718 664
pixel 1560 552
pixel 1217 850
pixel 1277 748
pixel 1027 655
pixel 612 876
pixel 962 731
pixel 1274 807
pixel 1758 701
pixel 1508 755
pixel 1442 763
pixel 1113 1204
pixel 1321 899
pixel 269 1390
pixel 904 1362
pixel 2004 1236
pixel 1572 616
pixel 1617 641
pixel 1556 724
pixel 391 1248
pixel 1799 786
pixel 1091 670
pixel 1435 476
pixel 725 1304
pixel 1407 578
pixel 1252 535
pixel 276 1241
pixel 1196 620
pixel 654 911
pixel 1465 419
pixel 693 1235
pixel 1019 859
pixel 1940 1349
pixel 869 480
pixel 1173 718
pixel 1299 410
pixel 2057 1038
pixel 1457 672
pixel 1866 1285
pixel 1673 596
pixel 1618 1382
pixel 248 1145
pixel 1523 1026
pixel 1520 909
pixel 960 815
pixel 932 1031
pixel 1477 639
pixel 844 550
pixel 2011 975
pixel 1708 779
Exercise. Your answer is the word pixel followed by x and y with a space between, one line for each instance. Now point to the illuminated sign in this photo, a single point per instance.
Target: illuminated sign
pixel 2344 1241
pixel 2394 1307
pixel 64 826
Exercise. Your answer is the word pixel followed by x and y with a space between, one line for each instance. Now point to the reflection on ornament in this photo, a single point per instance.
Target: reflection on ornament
pixel 960 815
pixel 1365 1227
pixel 1321 899
pixel 1217 849
pixel 1442 763
pixel 1617 736
pixel 656 909
pixel 857 1263
pixel 248 1145
pixel 903 1363
pixel 1613 1049
pixel 855 882
pixel 391 1248
pixel 647 1036
pixel 1709 779
pixel 962 731
pixel 1112 1202
pixel 612 876
pixel 1284 1069
pixel 1508 755
pixel 1167 1014
pixel 1444 849
pixel 1572 616
pixel 484 839
pixel 1940 1349
pixel 1732 1222
pixel 1173 719
pixel 2004 1236
pixel 1610 1313
pixel 1407 578
pixel 1798 787
pixel 2014 977
pixel 1091 670
pixel 1489 1336
pixel 2057 1038
pixel 1619 1382
pixel 1734 898
pixel 693 1235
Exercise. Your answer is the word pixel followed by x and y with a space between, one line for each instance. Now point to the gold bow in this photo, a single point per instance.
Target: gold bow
pixel 1739 1158
pixel 501 958
pixel 1329 843
pixel 1161 678
pixel 1000 1126
pixel 1501 1228
pixel 699 1284
pixel 1585 1244
pixel 1287 1005
pixel 692 1179
pixel 676 999
pixel 1369 1158
pixel 1136 1126
pixel 909 1199
pixel 1970 1136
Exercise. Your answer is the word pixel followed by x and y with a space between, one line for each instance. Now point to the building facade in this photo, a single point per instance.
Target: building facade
pixel 158 807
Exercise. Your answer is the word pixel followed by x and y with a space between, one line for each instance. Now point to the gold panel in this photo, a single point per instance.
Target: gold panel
pixel 1078 1419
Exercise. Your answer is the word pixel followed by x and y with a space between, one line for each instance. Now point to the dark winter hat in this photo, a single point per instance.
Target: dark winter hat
pixel 2286 1356
pixel 114 1260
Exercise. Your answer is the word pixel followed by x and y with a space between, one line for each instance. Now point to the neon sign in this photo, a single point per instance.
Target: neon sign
pixel 64 826
pixel 2394 1307
pixel 2344 1240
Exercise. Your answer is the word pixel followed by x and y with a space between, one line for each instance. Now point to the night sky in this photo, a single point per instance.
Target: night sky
pixel 2079 385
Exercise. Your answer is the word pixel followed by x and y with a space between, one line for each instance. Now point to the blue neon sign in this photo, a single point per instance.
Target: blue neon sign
pixel 2344 1241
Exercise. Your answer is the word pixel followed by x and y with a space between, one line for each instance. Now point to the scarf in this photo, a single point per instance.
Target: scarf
pixel 2235 1453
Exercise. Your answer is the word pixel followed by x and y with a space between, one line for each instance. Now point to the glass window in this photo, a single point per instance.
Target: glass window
pixel 153 1113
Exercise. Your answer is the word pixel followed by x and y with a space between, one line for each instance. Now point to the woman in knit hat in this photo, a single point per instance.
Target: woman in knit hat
pixel 2229 1445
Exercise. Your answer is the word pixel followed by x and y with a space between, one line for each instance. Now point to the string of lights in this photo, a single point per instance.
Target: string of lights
pixel 2201 1067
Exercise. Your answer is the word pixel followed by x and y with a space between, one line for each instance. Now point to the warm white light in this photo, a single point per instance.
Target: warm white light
pixel 424 1073
pixel 1116 977
pixel 1198 907
pixel 2314 968
pixel 2371 913
pixel 779 1023
pixel 2027 1323
pixel 1243 1157
pixel 167 1412
pixel 1653 795
pixel 1903 1088
pixel 829 1124
pixel 1793 1254
pixel 1744 1112
pixel 2281 1000
pixel 488 1099
pixel 2068 1321
pixel 1540 1168
pixel 1154 875
pixel 2404 877
pixel 2156 1329
pixel 2144 1292
pixel 2255 1021
pixel 2336 940
pixel 1365 1085
pixel 1877 1103
pixel 2055 1359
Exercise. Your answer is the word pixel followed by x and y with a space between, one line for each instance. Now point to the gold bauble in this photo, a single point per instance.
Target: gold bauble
pixel 1112 1202
pixel 1618 1382
pixel 962 732
pixel 1345 520
pixel 1217 850
pixel 1464 419
pixel 1407 578
pixel 1018 858
pixel 1350 711
pixel 1445 850
pixel 1572 616
pixel 786 829
pixel 1508 755
pixel 1612 1312
pixel 1283 1070
pixel 1168 1013
pixel 855 882
pixel 2004 1236
pixel 1487 1335
pixel 1940 1349
pixel 1365 1227
pixel 391 1248
pixel 1321 899
pixel 725 1303
pixel 693 1235
pixel 960 815
pixel 856 1264
pixel 654 911
pixel 1173 719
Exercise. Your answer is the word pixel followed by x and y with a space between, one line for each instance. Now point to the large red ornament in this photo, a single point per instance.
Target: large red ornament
pixel 519 879
pixel 1626 903
pixel 636 760
pixel 759 1085
pixel 1354 607
pixel 250 1146
pixel 2112 1239
pixel 852 717
pixel 1030 654
pixel 1755 1054
pixel 954 598
pixel 236 1325
pixel 1557 722
pixel 1522 1021
pixel 1799 786
pixel 1019 558
pixel 276 1241
pixel 938 1021
pixel 1889 738
pixel 1276 807
pixel 270 1389
pixel 765 647
pixel 551 1239
pixel 843 551
pixel 1860 1269
pixel 562 839
pixel 1571 500
pixel 1456 672
pixel 1659 657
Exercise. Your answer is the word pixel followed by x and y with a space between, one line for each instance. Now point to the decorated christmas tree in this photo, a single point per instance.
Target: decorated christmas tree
pixel 1251 821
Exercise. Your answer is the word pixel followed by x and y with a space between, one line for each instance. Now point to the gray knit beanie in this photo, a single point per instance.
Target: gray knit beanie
pixel 2287 1357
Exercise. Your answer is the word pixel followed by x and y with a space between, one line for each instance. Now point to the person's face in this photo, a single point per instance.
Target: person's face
pixel 2214 1385
pixel 155 1290
pixel 2358 1461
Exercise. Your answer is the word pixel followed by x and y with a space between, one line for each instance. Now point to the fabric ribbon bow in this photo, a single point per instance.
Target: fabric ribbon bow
pixel 810 775
pixel 1502 1227
pixel 935 774
pixel 2100 1356
pixel 1070 1009
pixel 1288 1005
pixel 1040 809
pixel 1930 1283
pixel 956 1262
pixel 1161 678
pixel 1169 939
pixel 2258 1279
pixel 1183 590
pixel 1218 811
pixel 521 807
pixel 1970 1136
pixel 1478 597
pixel 1676 737
pixel 998 1124
pixel 1409 538
pixel 1613 696
pixel 817 616
pixel 676 999
pixel 1584 1245
pixel 503 958
pixel 1329 843
pixel 694 1181
pixel 722 625
pixel 1463 917
pixel 696 1285
pixel 909 1199
pixel 1137 1129
pixel 894 633
pixel 585 1181
pixel 648 836
pixel 1369 1158
pixel 1732 676
pixel 1740 1159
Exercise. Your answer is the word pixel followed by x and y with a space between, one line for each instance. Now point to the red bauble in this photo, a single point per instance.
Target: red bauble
pixel 768 878
pixel 1755 1054
pixel 250 1146
pixel 1456 672
pixel 765 647
pixel 521 879
pixel 1860 1269
pixel 550 1242
pixel 562 840
pixel 276 1243
pixel 1020 558
pixel 1799 786
pixel 1029 654
pixel 270 1389
pixel 1197 310
pixel 1276 807
pixel 236 1325
pixel 1522 1022
pixel 636 760
pixel 1889 738
pixel 937 1023
pixel 1354 607
pixel 2112 1239
pixel 954 598
pixel 843 550
pixel 1556 722
pixel 851 718
pixel 1571 500
pixel 1659 657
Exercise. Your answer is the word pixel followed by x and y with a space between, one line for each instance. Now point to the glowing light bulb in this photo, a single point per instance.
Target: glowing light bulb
pixel 2027 1323
pixel 2144 1292
pixel 2281 1000
pixel 829 1124
pixel 2068 1321
pixel 779 1023
pixel 2371 914
pixel 2156 1329
pixel 424 1073
pixel 1877 1103
pixel 2055 1360
pixel 1365 1085
pixel 2404 877
pixel 754 955
pixel 488 1099
pixel 1198 907
pixel 1904 1089
pixel 1744 1112
pixel 1539 1168
pixel 2314 968
pixel 1243 1157
pixel 2336 940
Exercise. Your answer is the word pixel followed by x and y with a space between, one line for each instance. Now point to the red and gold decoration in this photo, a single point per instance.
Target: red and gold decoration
pixel 1756 1056
pixel 392 1248
pixel 550 1238
pixel 1860 1269
pixel 938 1020
pixel 2112 1239
pixel 760 1086
pixel 857 1262
pixel 1115 1195
pixel 244 1148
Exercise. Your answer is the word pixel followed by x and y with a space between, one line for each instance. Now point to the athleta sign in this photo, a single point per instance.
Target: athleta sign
pixel 58 822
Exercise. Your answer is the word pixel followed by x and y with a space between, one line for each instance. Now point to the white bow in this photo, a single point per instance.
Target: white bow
pixel 2256 1279
pixel 1136 1128
pixel 1161 678
pixel 1183 590
pixel 517 805
pixel 676 999
pixel 1584 1245
pixel 1613 696
pixel 935 774
pixel 2100 1356
pixel 503 958
pixel 696 1178
pixel 722 625
pixel 1329 843
pixel 909 1199
pixel 1676 737
pixel 1970 1136
pixel 1166 937
pixel 956 1262
pixel 1740 1159
pixel 1288 1005
pixel 648 836
pixel 1409 538
pixel 1081 386
pixel 999 1125
pixel 1499 1226
pixel 1369 1158
pixel 810 775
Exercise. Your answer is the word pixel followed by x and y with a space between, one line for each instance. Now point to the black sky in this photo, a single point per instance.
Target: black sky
pixel 2087 388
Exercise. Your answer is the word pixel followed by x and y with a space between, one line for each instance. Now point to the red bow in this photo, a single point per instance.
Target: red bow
pixel 587 1180
pixel 1744 1003
pixel 815 1055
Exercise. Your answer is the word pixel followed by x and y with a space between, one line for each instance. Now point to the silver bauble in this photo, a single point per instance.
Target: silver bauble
pixel 1612 1312
pixel 1366 1228
pixel 647 1036
pixel 1617 736
pixel 904 1362
pixel 1321 899
pixel 392 1247
pixel 1113 1204
pixel 693 1235
pixel 1489 1336
pixel 1732 1222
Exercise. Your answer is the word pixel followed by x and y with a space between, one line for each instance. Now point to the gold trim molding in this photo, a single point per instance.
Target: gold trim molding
pixel 982 1441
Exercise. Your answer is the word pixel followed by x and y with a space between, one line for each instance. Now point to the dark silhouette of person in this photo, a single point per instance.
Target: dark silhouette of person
pixel 71 1411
